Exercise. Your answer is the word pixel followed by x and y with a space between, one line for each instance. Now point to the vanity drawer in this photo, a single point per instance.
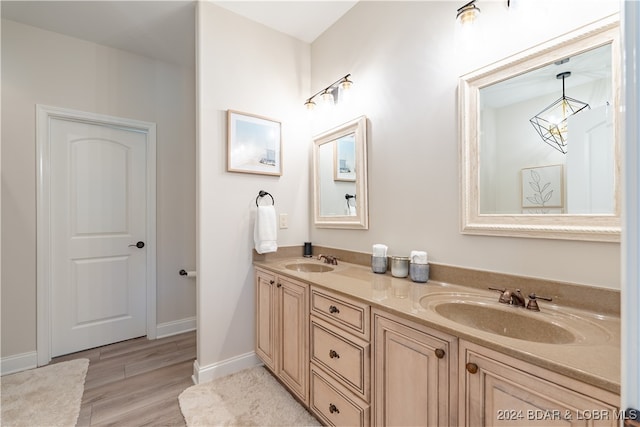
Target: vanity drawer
pixel 350 315
pixel 344 356
pixel 335 405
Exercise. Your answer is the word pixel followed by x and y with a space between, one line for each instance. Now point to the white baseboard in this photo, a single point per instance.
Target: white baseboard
pixel 203 374
pixel 19 362
pixel 24 361
pixel 175 327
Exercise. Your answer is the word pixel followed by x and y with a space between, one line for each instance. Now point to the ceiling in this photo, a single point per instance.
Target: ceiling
pixel 585 68
pixel 166 29
pixel 302 19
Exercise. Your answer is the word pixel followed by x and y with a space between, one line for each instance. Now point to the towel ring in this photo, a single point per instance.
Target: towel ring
pixel 262 194
pixel 348 197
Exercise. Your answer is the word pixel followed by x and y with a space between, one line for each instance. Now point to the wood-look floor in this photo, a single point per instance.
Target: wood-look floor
pixel 136 382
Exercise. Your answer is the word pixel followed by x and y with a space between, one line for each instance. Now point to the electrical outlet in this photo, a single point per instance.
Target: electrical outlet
pixel 284 220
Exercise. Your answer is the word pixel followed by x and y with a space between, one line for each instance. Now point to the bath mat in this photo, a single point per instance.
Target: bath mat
pixel 47 396
pixel 247 398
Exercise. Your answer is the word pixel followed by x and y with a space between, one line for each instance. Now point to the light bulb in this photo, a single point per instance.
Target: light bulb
pixel 468 13
pixel 327 97
pixel 345 84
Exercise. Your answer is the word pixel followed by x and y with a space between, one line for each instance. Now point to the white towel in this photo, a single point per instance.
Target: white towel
pixel 380 250
pixel 265 232
pixel 352 211
pixel 419 257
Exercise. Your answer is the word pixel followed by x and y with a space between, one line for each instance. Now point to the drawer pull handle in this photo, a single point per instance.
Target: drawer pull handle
pixel 472 368
pixel 279 285
pixel 439 353
pixel 332 408
pixel 271 282
pixel 333 309
pixel 333 354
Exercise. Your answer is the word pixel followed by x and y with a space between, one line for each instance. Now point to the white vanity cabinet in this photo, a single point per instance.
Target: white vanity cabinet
pixel 282 329
pixel 498 390
pixel 340 359
pixel 414 373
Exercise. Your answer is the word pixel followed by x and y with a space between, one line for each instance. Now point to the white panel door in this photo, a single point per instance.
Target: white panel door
pixel 591 162
pixel 98 200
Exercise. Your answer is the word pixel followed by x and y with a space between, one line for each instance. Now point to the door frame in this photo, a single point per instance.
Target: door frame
pixel 44 114
pixel 630 298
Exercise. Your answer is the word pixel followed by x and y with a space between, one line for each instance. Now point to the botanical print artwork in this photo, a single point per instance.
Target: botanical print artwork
pixel 542 190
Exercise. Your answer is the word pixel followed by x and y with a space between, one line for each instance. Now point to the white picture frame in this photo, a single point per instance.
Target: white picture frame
pixel 344 162
pixel 254 144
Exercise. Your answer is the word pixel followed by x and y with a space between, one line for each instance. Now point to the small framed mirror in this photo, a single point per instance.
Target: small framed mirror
pixel 539 140
pixel 340 177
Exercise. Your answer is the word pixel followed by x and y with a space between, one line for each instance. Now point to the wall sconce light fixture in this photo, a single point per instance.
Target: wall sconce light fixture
pixel 468 13
pixel 551 123
pixel 331 93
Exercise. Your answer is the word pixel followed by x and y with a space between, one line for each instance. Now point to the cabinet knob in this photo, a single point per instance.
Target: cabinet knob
pixel 271 282
pixel 333 309
pixel 279 285
pixel 333 354
pixel 472 368
pixel 439 353
pixel 332 408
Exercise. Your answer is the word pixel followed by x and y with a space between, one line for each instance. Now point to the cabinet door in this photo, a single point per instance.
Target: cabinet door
pixel 502 391
pixel 294 336
pixel 266 320
pixel 410 375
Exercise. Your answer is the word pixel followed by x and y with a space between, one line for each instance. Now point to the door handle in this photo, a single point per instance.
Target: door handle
pixel 138 245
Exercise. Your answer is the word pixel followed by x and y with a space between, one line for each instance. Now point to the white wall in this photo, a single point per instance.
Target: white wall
pixel 41 67
pixel 247 67
pixel 405 59
pixel 631 230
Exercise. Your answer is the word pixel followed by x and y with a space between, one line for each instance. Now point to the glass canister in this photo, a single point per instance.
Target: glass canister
pixel 399 266
pixel 379 264
pixel 419 272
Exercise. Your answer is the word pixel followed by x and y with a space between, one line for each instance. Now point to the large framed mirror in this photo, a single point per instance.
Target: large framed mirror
pixel 540 140
pixel 340 176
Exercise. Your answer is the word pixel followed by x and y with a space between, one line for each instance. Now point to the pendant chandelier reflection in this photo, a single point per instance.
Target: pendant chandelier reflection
pixel 551 123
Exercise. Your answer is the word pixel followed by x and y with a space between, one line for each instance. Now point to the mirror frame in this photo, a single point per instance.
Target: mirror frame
pixel 596 227
pixel 358 127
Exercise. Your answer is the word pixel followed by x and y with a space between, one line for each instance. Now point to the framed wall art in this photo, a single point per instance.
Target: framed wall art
pixel 344 159
pixel 542 190
pixel 254 144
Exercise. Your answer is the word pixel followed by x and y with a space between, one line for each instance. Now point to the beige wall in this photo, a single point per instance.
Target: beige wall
pixel 41 67
pixel 247 67
pixel 405 58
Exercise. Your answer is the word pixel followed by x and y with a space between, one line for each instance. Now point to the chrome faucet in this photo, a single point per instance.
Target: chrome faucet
pixel 329 259
pixel 508 296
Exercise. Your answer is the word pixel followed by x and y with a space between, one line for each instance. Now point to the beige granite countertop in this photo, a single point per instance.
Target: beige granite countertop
pixel 594 358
